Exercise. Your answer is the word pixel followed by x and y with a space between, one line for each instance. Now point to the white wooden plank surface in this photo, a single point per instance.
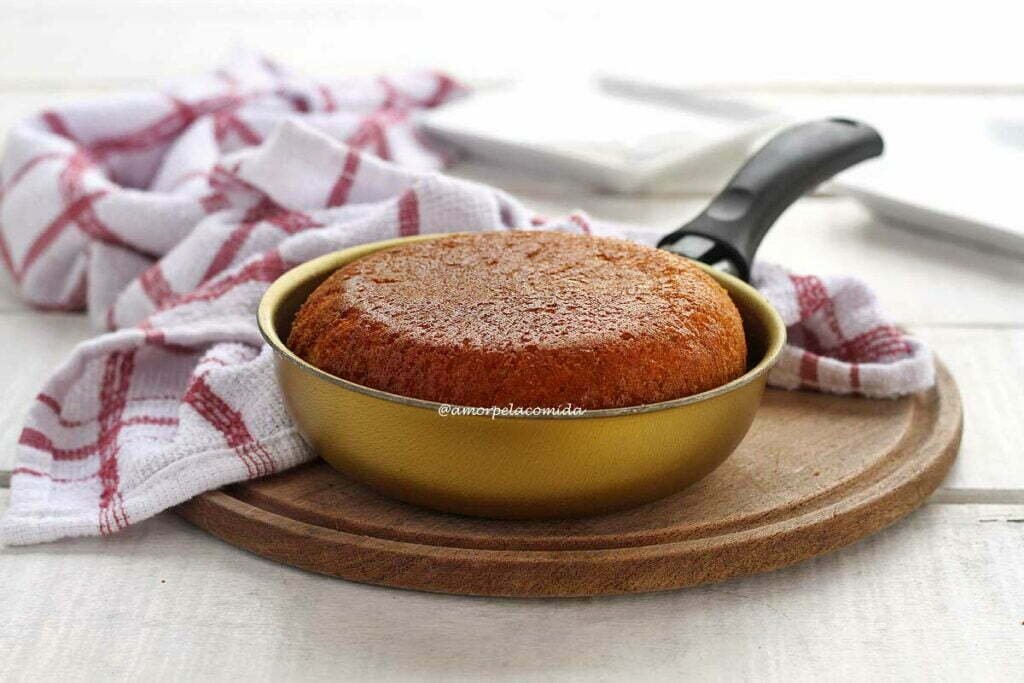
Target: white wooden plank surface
pixel 61 41
pixel 988 365
pixel 935 598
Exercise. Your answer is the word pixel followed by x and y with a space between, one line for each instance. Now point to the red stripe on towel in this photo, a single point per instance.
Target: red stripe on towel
pixel 343 185
pixel 408 214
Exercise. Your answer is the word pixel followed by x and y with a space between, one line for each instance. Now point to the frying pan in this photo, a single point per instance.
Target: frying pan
pixel 542 467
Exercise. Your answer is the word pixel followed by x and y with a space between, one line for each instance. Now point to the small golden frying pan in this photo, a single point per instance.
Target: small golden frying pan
pixel 535 467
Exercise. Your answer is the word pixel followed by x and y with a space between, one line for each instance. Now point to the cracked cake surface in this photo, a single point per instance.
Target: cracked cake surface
pixel 529 318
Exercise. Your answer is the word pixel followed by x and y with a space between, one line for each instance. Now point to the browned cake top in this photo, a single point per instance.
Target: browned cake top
pixel 529 318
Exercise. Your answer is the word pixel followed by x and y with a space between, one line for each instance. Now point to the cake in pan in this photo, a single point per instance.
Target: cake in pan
pixel 532 319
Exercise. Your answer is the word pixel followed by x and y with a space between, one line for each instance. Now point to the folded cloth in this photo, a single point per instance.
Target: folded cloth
pixel 170 229
pixel 94 192
pixel 839 340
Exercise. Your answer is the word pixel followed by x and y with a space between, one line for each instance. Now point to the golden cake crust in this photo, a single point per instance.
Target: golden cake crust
pixel 533 319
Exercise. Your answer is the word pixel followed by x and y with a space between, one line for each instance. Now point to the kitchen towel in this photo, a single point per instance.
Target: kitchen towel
pixel 166 216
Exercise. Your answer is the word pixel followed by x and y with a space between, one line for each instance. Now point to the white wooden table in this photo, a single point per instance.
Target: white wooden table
pixel 939 595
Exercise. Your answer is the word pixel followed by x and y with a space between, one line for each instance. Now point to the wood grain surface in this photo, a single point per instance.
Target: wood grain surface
pixel 164 600
pixel 815 473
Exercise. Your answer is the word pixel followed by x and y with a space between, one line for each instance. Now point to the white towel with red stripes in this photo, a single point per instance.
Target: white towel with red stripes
pixel 166 215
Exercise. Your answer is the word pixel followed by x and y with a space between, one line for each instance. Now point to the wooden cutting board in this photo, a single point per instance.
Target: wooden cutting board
pixel 815 473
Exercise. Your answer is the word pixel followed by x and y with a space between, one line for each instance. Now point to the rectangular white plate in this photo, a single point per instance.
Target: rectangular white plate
pixel 610 141
pixel 953 164
pixel 958 176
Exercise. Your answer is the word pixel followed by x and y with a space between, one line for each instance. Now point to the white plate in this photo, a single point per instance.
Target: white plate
pixel 609 141
pixel 961 178
pixel 953 164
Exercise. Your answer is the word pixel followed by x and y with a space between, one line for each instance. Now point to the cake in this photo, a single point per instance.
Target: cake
pixel 532 319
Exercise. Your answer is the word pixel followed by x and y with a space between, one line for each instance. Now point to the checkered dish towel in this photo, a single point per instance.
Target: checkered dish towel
pixel 168 215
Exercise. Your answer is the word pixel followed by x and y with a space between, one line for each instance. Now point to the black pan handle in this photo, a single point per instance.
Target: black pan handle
pixel 791 164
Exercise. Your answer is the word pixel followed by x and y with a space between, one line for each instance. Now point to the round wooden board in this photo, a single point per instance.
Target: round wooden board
pixel 815 473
